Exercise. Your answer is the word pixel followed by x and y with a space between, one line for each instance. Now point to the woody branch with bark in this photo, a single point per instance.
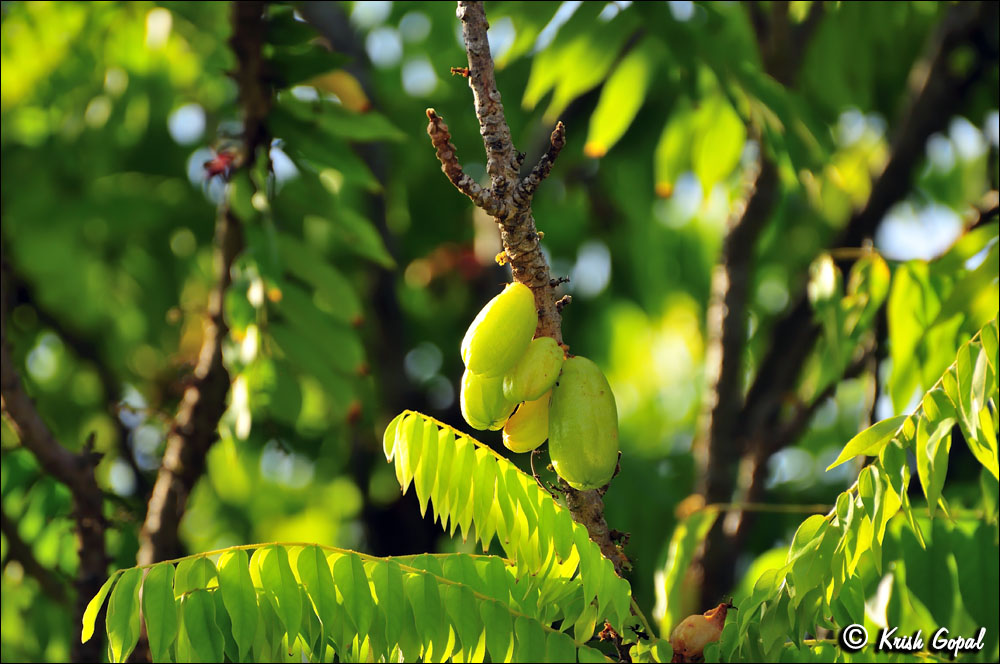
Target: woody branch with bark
pixel 195 426
pixel 748 425
pixel 508 200
pixel 73 469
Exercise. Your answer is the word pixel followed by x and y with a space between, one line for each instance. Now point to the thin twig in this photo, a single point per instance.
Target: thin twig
pixel 528 186
pixel 447 155
pixel 768 508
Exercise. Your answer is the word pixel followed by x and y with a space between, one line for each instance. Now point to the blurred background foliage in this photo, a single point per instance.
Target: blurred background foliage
pixel 364 266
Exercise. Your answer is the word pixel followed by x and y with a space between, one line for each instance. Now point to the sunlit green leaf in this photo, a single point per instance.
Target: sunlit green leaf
pixel 239 597
pixel 159 610
pixel 870 441
pixel 123 615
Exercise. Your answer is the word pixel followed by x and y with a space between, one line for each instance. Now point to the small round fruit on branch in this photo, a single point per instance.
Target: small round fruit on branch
pixel 528 427
pixel 536 372
pixel 482 402
pixel 691 635
pixel 583 425
pixel 501 332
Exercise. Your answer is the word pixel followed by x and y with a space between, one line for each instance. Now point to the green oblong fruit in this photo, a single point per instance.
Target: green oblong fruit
pixel 482 402
pixel 583 425
pixel 528 427
pixel 501 332
pixel 536 372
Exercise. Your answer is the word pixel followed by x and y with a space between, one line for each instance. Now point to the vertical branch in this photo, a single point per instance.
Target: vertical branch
pixel 508 201
pixel 727 329
pixel 720 442
pixel 76 471
pixel 501 159
pixel 940 86
pixel 195 426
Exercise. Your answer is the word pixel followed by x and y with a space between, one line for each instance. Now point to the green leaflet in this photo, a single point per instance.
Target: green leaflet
pixel 430 607
pixel 303 262
pixel 193 573
pixel 203 635
pixel 499 633
pixel 159 607
pixel 94 607
pixel 870 441
pixel 621 97
pixel 336 120
pixel 349 576
pixel 576 61
pixel 672 156
pixel 802 595
pixel 932 449
pixel 387 579
pixel 239 598
pixel 427 468
pixel 530 641
pixel 686 538
pixel 282 589
pixel 334 341
pixel 535 532
pixel 123 615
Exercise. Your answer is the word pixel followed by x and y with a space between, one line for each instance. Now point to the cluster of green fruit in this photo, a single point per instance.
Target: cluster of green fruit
pixel 567 401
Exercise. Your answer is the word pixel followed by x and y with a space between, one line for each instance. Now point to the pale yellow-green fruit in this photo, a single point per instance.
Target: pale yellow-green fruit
pixel 528 427
pixel 536 372
pixel 695 632
pixel 501 332
pixel 583 425
pixel 482 402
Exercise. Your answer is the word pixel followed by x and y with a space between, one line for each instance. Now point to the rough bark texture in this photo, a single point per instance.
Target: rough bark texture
pixel 508 201
pixel 74 470
pixel 939 88
pixel 727 335
pixel 194 428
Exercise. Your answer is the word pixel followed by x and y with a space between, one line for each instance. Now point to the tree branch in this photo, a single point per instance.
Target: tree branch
pixel 938 97
pixel 526 189
pixel 501 159
pixel 512 213
pixel 76 471
pixel 447 155
pixel 88 349
pixel 195 426
pixel 984 211
pixel 718 441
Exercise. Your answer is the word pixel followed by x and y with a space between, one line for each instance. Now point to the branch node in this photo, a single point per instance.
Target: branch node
pixel 527 187
pixel 448 156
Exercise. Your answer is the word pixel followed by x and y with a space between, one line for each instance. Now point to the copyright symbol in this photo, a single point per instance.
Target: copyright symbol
pixel 853 637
